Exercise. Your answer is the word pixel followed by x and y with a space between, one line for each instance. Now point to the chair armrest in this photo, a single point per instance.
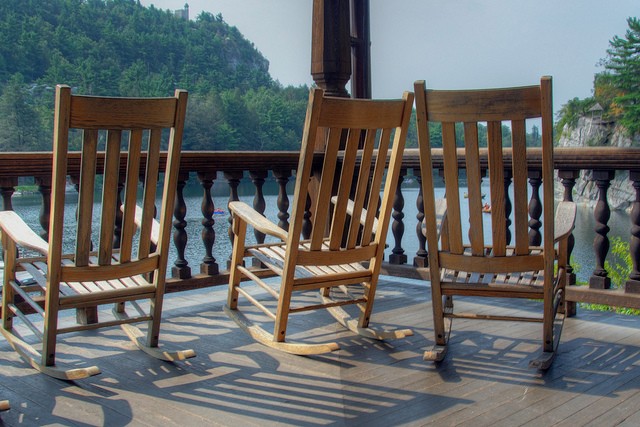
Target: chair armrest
pixel 256 220
pixel 155 225
pixel 363 215
pixel 564 220
pixel 14 227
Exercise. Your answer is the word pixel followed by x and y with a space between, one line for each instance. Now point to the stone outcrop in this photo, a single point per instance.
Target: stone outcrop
pixel 591 132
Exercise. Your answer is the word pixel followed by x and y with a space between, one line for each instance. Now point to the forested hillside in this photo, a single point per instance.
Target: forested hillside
pixel 119 47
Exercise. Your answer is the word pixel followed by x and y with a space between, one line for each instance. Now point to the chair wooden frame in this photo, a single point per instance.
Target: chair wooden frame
pixel 488 264
pixel 93 277
pixel 356 139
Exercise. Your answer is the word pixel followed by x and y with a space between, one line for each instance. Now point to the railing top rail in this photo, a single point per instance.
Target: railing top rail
pixel 565 158
pixel 15 164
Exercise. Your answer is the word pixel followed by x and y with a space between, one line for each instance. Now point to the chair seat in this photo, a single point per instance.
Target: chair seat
pixel 273 256
pixel 74 292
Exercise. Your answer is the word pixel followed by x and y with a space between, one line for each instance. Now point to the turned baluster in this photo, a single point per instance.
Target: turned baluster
pixel 44 187
pixel 633 284
pixel 535 208
pixel 282 178
pixel 421 258
pixel 117 230
pixel 600 278
pixel 568 179
pixel 397 227
pixel 7 188
pixel 508 177
pixel 259 204
pixel 181 268
pixel 233 179
pixel 208 265
pixel 307 225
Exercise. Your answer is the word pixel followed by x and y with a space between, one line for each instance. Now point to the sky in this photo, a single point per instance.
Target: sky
pixel 451 44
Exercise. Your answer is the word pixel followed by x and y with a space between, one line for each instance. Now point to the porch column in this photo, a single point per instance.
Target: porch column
pixel 361 49
pixel 331 46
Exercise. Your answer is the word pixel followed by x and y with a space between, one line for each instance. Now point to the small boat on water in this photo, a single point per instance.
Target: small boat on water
pixel 486 208
pixel 219 211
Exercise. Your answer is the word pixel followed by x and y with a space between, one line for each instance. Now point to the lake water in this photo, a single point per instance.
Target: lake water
pixel 28 206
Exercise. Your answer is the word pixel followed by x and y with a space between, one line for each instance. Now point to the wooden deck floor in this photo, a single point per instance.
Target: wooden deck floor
pixel 234 381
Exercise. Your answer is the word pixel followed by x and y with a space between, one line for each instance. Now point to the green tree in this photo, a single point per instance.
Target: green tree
pixel 570 112
pixel 19 120
pixel 623 61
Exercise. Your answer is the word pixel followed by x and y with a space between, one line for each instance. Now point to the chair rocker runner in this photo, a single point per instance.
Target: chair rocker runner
pixel 87 277
pixel 486 263
pixel 353 140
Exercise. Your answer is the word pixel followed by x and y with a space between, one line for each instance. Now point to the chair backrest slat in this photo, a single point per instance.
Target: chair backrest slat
pixel 130 194
pixel 345 187
pixel 362 189
pixel 379 170
pixel 111 180
pixel 452 189
pixel 474 179
pixel 496 183
pixel 86 190
pixel 149 195
pixel 322 202
pixel 520 188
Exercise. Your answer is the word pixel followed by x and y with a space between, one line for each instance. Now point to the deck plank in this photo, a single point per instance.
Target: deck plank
pixel 485 379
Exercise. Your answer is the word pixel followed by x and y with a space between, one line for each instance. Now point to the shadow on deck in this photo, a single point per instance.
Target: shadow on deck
pixel 485 379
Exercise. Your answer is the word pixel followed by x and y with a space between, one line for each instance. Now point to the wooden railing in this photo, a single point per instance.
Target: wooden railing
pixel 256 167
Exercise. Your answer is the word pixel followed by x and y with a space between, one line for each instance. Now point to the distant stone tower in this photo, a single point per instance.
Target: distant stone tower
pixel 183 13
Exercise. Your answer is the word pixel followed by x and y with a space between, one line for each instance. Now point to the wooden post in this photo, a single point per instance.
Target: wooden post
pixel 331 46
pixel 360 49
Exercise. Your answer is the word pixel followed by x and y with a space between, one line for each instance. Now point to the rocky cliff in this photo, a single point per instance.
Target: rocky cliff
pixel 591 132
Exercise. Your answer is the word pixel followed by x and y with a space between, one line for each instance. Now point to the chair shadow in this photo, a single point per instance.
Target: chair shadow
pixel 234 380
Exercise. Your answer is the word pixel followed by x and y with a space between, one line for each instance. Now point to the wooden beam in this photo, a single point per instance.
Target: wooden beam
pixel 331 46
pixel 360 49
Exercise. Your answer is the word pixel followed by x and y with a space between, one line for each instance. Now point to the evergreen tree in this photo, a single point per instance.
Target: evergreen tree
pixel 623 61
pixel 20 128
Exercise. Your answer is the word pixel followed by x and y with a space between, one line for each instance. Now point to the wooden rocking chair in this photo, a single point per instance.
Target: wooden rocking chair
pixel 487 263
pixel 84 277
pixel 352 138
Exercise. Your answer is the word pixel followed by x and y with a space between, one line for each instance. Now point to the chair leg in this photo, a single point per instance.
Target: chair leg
pixel 7 298
pixel 441 325
pixel 365 314
pixel 50 334
pixel 282 313
pixel 544 360
pixel 153 333
pixel 553 322
pixel 237 256
pixel 9 252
